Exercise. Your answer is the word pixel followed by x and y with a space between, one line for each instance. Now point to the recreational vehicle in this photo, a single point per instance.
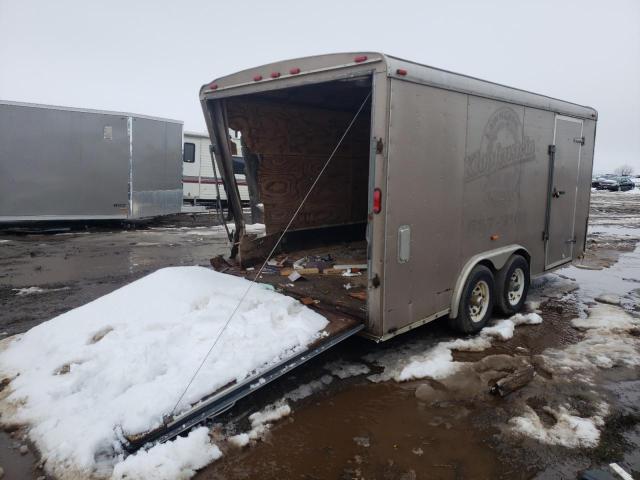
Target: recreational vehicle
pixel 399 192
pixel 199 182
pixel 61 163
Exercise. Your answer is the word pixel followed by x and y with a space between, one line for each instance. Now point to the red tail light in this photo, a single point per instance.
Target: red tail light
pixel 360 59
pixel 294 71
pixel 275 74
pixel 401 71
pixel 213 86
pixel 377 200
pixel 257 78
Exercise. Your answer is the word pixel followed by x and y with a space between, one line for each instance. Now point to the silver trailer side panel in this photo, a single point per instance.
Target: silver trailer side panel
pixel 156 168
pixel 470 175
pixel 60 163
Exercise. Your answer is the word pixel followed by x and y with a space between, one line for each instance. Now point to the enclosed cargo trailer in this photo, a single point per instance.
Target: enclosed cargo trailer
pixel 60 163
pixel 445 179
pixel 449 192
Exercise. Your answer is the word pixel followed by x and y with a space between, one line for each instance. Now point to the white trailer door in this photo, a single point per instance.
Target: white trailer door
pixel 563 191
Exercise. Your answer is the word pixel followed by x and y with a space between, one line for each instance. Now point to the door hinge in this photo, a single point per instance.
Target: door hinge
pixel 379 146
pixel 579 140
pixel 571 240
pixel 552 149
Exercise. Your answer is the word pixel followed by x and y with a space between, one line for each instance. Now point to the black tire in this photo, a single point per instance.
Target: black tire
pixel 504 303
pixel 464 322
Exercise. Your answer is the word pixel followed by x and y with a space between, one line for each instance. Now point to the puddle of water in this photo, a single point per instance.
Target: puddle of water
pixel 14 464
pixel 329 438
pixel 619 279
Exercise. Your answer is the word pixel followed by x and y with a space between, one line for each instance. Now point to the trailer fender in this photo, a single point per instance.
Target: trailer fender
pixel 496 258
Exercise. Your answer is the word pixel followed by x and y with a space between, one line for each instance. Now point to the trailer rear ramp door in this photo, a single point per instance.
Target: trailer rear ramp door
pixel 340 327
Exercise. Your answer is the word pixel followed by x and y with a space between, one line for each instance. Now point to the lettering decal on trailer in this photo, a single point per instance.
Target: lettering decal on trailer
pixel 503 145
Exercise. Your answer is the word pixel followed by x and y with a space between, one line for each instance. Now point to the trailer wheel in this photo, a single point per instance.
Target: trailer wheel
pixel 476 302
pixel 512 285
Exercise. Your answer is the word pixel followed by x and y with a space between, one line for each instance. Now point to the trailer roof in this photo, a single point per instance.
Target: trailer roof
pixel 262 78
pixel 196 134
pixel 87 110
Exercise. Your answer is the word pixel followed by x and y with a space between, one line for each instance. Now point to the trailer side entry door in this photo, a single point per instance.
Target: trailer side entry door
pixel 564 169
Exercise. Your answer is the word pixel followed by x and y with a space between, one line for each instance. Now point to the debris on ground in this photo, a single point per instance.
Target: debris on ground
pixel 220 264
pixel 513 381
pixel 361 295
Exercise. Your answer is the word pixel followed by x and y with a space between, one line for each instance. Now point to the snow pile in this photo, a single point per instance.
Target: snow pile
pixel 606 344
pixel 570 431
pixel 119 363
pixel 261 422
pixel 176 460
pixel 437 362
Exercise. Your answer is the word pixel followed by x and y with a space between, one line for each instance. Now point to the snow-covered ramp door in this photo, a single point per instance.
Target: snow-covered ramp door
pixel 107 375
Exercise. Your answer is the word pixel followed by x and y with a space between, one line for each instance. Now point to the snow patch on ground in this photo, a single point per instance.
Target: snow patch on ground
pixel 76 387
pixel 261 422
pixel 308 389
pixel 437 361
pixel 342 369
pixel 255 228
pixel 609 341
pixel 175 460
pixel 36 290
pixel 569 431
pixel 606 344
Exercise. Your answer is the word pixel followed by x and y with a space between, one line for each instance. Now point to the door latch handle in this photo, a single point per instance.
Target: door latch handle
pixel 556 193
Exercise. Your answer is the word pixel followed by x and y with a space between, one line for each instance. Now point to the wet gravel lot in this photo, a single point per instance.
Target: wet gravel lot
pixel 352 427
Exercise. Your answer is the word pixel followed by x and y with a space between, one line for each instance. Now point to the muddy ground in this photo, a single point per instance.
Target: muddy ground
pixel 356 428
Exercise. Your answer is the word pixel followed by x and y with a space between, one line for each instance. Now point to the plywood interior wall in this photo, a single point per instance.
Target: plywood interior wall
pixel 294 142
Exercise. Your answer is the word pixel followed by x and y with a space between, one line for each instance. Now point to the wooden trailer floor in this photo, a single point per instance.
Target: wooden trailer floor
pixel 326 293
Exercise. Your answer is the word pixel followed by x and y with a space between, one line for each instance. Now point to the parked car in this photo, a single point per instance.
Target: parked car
pixel 597 181
pixel 616 184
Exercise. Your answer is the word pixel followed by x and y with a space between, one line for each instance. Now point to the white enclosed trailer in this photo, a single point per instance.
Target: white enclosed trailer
pixel 61 163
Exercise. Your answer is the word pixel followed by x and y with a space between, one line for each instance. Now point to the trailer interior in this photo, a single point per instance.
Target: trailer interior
pixel 292 132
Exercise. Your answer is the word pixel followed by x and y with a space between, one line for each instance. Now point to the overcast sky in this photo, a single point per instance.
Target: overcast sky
pixel 151 57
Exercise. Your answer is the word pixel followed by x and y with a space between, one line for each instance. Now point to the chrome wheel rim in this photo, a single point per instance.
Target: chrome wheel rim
pixel 479 301
pixel 516 287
